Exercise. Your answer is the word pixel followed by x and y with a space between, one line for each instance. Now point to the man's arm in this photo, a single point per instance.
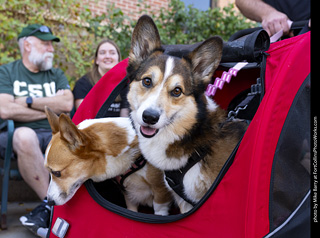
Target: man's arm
pixel 271 19
pixel 9 109
pixel 17 109
pixel 62 102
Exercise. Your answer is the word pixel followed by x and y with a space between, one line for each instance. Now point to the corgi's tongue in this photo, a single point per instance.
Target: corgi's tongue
pixel 148 132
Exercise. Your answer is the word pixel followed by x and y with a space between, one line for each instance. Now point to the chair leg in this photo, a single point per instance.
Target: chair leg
pixel 5 188
pixel 4 222
pixel 5 181
pixel 4 197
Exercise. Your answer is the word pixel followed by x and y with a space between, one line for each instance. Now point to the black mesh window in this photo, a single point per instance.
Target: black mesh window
pixel 291 167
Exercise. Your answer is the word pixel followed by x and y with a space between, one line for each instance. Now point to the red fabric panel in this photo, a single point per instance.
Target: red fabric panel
pixel 298 51
pixel 239 207
pixel 88 219
pixel 287 67
pixel 244 191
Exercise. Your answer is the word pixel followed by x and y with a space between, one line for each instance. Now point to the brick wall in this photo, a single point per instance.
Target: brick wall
pixel 128 7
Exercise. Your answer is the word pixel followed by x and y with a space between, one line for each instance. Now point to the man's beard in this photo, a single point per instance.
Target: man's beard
pixel 42 61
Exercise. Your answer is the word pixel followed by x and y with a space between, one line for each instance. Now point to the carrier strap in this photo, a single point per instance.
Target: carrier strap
pixel 175 177
pixel 225 77
pixel 137 165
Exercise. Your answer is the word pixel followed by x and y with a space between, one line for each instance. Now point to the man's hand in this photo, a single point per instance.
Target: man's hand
pixel 60 92
pixel 61 102
pixel 21 101
pixel 271 19
pixel 274 22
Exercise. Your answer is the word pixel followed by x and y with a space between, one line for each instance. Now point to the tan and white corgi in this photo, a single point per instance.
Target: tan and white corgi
pixel 174 119
pixel 100 149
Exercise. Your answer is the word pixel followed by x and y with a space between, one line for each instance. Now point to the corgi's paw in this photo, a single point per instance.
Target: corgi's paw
pixel 161 209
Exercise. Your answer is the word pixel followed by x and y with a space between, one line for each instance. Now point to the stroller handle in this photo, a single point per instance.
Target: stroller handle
pixel 296 25
pixel 247 44
pixel 248 47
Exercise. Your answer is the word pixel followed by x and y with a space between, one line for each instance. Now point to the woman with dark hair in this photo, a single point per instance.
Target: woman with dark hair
pixel 107 55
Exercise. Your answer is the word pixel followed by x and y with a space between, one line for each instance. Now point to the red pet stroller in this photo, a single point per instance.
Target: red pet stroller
pixel 263 189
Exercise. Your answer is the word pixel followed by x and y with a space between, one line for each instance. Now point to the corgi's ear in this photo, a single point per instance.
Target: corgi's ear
pixel 145 40
pixel 70 133
pixel 206 58
pixel 53 120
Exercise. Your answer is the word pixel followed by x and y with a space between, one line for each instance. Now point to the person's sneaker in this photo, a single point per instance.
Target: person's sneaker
pixel 38 219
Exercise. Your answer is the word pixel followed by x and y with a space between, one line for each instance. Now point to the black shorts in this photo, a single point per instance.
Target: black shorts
pixel 44 137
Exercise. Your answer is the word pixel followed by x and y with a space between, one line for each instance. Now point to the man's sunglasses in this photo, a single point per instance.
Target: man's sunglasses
pixel 43 29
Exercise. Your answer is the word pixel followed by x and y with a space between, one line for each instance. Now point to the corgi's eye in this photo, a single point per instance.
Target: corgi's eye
pixel 176 92
pixel 56 173
pixel 147 82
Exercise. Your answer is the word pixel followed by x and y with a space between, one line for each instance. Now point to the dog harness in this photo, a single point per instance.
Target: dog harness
pixel 175 177
pixel 137 165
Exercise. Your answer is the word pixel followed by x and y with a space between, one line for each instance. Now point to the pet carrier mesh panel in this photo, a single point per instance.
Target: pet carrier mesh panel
pixel 262 193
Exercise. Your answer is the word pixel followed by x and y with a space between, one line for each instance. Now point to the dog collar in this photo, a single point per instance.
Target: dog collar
pixel 175 177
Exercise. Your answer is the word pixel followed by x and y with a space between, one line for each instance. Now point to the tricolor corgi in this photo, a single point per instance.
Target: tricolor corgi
pixel 100 149
pixel 180 129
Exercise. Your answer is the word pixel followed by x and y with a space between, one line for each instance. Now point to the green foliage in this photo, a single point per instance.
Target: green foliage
pixel 114 26
pixel 80 31
pixel 187 25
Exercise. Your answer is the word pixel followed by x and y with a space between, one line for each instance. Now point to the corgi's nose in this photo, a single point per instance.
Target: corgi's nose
pixel 150 116
pixel 51 202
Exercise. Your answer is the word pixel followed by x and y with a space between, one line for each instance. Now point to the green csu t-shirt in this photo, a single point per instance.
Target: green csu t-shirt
pixel 17 80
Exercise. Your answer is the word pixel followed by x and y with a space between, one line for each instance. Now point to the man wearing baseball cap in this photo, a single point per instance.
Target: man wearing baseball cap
pixel 42 32
pixel 28 85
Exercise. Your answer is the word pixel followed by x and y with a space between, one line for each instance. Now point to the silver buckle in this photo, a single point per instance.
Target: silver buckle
pixel 60 227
